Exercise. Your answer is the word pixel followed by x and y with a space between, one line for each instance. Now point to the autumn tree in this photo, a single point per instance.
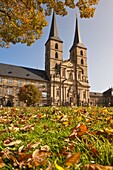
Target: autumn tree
pixel 29 94
pixel 23 20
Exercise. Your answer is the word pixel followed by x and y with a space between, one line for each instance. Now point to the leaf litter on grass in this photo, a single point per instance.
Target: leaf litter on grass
pixel 56 138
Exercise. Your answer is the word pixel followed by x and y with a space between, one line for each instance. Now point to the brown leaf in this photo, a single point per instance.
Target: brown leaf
pixel 13 143
pixel 28 127
pixel 50 167
pixel 78 130
pixel 45 148
pixel 39 157
pixel 23 157
pixel 97 167
pixel 95 151
pixel 73 160
pixel 31 145
pixel 2 164
pixel 20 148
pixel 14 160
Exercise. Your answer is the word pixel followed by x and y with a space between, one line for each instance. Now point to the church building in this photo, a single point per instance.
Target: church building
pixel 63 82
pixel 68 79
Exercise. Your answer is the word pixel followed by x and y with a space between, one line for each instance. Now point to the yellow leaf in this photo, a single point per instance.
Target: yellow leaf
pixel 57 166
pixel 65 123
pixel 79 118
pixel 109 130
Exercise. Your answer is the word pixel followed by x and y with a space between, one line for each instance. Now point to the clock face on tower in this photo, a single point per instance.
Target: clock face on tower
pixel 70 64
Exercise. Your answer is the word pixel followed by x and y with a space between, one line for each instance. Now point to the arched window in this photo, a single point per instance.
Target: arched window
pixel 57 69
pixel 82 71
pixel 81 52
pixel 71 76
pixel 79 75
pixel 56 66
pixel 56 46
pixel 56 55
pixel 82 61
pixel 63 72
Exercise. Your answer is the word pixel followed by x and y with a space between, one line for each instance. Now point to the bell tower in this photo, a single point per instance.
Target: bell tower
pixel 78 55
pixel 53 60
pixel 53 49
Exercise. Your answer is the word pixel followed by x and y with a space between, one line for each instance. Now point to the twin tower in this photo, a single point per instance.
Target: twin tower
pixel 68 79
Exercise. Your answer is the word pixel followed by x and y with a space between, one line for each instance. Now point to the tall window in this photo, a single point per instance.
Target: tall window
pixel 0 90
pixel 56 46
pixel 82 71
pixel 0 80
pixel 10 91
pixel 81 52
pixel 36 84
pixel 56 55
pixel 79 75
pixel 63 72
pixel 82 61
pixel 71 75
pixel 44 94
pixel 10 81
pixel 57 93
pixel 19 83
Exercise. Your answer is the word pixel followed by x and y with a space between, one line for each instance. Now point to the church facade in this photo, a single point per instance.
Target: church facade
pixel 68 83
pixel 63 82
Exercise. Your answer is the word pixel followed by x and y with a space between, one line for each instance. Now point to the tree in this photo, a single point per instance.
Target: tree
pixel 23 20
pixel 29 94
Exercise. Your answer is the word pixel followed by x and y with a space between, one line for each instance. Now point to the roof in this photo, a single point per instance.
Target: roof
pixel 53 35
pixel 108 92
pixel 22 72
pixel 96 94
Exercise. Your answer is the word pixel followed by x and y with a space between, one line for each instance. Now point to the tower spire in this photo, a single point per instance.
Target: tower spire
pixel 77 38
pixel 53 30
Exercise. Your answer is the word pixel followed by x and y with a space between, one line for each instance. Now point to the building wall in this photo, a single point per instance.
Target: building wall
pixel 9 87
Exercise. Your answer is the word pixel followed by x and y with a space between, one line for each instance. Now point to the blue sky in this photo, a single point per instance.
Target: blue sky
pixel 96 34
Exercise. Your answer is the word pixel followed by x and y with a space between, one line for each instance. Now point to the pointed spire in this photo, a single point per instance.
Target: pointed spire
pixel 77 39
pixel 53 30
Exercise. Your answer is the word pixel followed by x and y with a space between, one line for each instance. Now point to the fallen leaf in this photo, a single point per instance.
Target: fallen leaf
pixel 45 148
pixel 73 160
pixel 2 164
pixel 97 167
pixel 20 148
pixel 57 166
pixel 109 130
pixel 95 151
pixel 78 130
pixel 31 145
pixel 50 167
pixel 39 157
pixel 13 143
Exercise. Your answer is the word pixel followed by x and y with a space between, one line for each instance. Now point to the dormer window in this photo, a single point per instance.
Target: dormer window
pixel 27 75
pixel 10 72
pixel 56 55
pixel 56 46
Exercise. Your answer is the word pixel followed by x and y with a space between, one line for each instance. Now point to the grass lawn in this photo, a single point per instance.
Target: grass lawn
pixel 63 138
